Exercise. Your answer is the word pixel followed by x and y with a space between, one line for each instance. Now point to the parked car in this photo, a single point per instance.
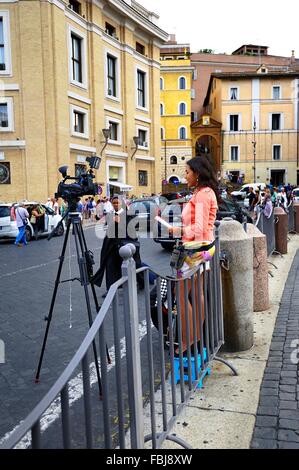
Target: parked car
pixel 173 215
pixel 146 209
pixel 244 190
pixel 295 195
pixel 9 229
pixel 178 195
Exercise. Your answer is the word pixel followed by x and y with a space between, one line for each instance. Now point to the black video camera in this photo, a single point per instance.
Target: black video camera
pixel 83 186
pixel 178 256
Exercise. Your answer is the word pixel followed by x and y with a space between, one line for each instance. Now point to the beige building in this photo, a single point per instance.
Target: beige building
pixel 68 70
pixel 175 110
pixel 259 115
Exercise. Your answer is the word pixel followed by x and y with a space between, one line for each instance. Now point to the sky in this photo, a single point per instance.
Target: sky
pixel 225 25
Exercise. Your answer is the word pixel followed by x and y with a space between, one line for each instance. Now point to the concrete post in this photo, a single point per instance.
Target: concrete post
pixel 296 215
pixel 237 286
pixel 281 230
pixel 260 269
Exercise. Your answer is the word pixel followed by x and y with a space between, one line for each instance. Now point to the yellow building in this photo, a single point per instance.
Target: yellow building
pixel 68 70
pixel 259 115
pixel 175 109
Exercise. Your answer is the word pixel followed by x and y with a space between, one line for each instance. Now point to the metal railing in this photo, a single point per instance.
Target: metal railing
pixel 267 226
pixel 151 378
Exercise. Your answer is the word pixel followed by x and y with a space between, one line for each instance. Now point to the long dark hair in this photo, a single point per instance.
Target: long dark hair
pixel 205 169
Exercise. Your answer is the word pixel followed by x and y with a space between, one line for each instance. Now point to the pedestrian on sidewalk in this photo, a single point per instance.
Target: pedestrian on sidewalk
pixel 22 220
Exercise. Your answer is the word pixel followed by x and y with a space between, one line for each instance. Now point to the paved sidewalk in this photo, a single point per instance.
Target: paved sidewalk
pixel 277 422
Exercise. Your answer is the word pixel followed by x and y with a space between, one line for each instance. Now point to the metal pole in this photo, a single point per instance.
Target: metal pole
pixel 254 151
pixel 165 160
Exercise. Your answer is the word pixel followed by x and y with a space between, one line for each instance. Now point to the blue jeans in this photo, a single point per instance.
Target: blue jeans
pixel 21 237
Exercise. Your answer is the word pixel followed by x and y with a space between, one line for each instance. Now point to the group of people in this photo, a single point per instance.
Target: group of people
pixel 22 215
pixel 269 198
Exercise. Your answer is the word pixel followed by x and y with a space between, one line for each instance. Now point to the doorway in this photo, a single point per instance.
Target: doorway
pixel 277 177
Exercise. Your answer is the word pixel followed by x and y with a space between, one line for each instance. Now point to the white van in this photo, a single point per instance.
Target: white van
pixel 242 193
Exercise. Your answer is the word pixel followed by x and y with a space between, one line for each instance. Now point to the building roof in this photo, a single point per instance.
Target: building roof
pixel 250 46
pixel 292 72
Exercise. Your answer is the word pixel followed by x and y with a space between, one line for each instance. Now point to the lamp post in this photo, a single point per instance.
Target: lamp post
pixel 106 134
pixel 165 162
pixel 254 151
pixel 136 142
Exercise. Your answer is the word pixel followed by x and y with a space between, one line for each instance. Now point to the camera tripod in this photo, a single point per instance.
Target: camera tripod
pixel 85 262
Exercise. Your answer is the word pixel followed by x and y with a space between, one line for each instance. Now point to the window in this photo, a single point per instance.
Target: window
pixel 4 173
pixel 5 58
pixel 182 83
pixel 215 103
pixel 182 109
pixel 193 116
pixel 141 88
pixel 79 122
pixel 173 160
pixel 79 169
pixel 276 122
pixel 161 84
pixel 182 133
pixel 276 152
pixel 111 30
pixel 162 133
pixel 77 75
pixel 6 115
pixel 234 154
pixel 234 122
pixel 113 130
pixel 276 92
pixel 111 75
pixel 3 115
pixel 2 58
pixel 234 93
pixel 142 177
pixel 140 48
pixel 161 109
pixel 194 74
pixel 75 6
pixel 142 138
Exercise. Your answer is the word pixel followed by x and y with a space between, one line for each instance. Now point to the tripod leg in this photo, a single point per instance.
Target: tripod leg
pixel 49 317
pixel 84 282
pixel 82 240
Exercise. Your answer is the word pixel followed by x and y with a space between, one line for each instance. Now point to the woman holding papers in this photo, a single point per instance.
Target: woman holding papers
pixel 198 218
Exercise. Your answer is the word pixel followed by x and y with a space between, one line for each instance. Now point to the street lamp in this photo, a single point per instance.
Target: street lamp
pixel 254 151
pixel 106 134
pixel 136 142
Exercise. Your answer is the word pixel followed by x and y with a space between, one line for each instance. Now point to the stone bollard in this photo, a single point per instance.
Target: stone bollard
pixel 237 286
pixel 281 230
pixel 260 269
pixel 296 215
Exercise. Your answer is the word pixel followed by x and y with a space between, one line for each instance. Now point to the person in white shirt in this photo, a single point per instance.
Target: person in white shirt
pixel 108 207
pixel 55 206
pixel 22 220
pixel 49 203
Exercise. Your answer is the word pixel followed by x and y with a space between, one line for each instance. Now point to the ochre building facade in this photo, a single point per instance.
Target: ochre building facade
pixel 68 70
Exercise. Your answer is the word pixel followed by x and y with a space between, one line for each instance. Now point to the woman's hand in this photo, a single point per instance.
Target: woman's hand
pixel 175 231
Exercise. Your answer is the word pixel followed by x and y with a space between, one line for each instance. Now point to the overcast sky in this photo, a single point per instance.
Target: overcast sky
pixel 224 25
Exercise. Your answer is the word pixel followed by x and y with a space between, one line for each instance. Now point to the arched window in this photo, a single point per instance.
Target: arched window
pixel 162 133
pixel 182 109
pixel 161 109
pixel 182 133
pixel 182 83
pixel 161 83
pixel 173 160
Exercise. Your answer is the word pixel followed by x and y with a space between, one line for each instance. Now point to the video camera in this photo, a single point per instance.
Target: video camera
pixel 83 186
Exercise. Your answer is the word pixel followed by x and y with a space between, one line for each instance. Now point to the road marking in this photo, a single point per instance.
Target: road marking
pixel 38 266
pixel 75 392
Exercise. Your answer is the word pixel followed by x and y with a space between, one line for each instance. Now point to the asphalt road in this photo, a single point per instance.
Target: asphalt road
pixel 27 278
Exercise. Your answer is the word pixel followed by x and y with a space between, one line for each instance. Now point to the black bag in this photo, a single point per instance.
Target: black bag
pixel 154 309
